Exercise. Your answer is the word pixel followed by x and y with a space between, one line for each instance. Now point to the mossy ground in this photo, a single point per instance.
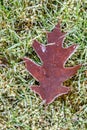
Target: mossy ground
pixel 22 21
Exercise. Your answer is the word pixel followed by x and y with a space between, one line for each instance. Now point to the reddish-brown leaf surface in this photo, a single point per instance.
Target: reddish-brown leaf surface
pixel 52 73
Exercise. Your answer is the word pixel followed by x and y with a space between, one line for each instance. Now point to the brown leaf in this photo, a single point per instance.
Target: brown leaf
pixel 52 73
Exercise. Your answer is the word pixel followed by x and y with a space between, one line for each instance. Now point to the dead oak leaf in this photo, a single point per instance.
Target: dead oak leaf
pixel 52 73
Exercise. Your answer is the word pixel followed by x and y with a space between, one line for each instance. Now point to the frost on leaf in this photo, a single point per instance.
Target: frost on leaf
pixel 52 73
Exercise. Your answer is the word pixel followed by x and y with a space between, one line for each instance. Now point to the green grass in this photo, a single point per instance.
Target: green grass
pixel 22 21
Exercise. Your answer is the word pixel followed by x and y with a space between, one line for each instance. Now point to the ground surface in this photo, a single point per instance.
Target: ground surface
pixel 22 21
